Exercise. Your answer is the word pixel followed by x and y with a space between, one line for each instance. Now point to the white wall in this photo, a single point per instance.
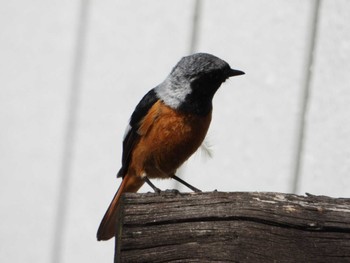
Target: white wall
pixel 73 71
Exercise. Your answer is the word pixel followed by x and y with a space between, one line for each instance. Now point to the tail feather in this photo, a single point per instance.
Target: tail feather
pixel 107 228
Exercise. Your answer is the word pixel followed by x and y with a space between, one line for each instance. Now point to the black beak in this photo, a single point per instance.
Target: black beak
pixel 234 72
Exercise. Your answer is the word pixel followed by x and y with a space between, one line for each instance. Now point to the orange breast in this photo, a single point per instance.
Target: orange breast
pixel 168 139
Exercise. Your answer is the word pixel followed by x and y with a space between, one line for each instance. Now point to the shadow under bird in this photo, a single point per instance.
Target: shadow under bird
pixel 167 127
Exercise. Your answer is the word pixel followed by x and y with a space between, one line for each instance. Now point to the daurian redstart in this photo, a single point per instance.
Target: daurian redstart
pixel 167 127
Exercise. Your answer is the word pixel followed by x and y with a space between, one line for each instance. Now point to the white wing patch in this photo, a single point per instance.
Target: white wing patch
pixel 128 128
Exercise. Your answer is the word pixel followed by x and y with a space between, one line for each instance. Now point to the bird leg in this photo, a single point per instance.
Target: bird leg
pixel 194 189
pixel 148 181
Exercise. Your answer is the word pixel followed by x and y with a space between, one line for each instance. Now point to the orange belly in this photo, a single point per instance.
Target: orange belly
pixel 168 139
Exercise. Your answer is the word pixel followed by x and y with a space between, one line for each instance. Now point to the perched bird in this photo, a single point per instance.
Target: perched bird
pixel 167 127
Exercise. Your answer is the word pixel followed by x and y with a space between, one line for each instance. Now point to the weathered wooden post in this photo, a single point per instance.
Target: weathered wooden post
pixel 233 227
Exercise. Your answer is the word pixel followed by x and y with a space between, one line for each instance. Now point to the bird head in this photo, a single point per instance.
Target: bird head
pixel 194 81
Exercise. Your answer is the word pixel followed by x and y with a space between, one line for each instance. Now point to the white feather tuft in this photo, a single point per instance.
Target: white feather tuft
pixel 206 149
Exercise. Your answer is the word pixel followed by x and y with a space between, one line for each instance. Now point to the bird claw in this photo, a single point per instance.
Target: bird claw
pixel 172 191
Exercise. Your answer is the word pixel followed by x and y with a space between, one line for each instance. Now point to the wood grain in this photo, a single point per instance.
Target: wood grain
pixel 233 227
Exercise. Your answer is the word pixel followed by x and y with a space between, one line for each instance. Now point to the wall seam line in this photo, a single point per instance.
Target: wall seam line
pixel 305 97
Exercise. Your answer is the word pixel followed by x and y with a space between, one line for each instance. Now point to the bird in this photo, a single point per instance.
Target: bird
pixel 167 126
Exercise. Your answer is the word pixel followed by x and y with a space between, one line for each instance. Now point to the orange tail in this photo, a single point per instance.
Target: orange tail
pixel 108 224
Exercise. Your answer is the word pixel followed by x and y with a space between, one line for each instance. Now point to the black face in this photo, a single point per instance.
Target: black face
pixel 204 87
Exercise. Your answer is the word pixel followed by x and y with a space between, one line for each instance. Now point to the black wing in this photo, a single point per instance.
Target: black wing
pixel 132 137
